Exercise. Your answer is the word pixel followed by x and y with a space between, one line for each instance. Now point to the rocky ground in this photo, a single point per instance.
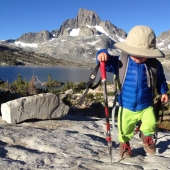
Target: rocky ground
pixel 75 142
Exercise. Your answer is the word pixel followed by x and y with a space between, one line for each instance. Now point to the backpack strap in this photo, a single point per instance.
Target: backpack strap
pixel 153 63
pixel 122 69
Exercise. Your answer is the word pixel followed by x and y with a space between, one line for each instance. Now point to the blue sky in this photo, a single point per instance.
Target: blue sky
pixel 22 16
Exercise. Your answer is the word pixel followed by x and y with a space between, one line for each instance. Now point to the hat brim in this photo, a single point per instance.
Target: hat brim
pixel 146 53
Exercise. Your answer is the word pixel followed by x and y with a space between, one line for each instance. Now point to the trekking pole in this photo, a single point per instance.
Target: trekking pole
pixel 108 134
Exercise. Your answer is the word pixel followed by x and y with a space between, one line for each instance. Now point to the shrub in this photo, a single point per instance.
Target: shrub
pixel 21 86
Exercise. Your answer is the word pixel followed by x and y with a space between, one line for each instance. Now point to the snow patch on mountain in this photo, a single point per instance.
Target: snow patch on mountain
pixel 93 43
pixel 22 44
pixel 169 46
pixel 75 32
pixel 101 30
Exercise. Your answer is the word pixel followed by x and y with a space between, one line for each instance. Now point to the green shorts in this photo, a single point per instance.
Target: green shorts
pixel 127 120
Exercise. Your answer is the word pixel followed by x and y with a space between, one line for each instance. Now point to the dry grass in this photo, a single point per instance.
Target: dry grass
pixel 164 125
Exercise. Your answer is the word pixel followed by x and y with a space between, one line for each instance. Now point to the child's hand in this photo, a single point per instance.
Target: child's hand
pixel 103 57
pixel 164 98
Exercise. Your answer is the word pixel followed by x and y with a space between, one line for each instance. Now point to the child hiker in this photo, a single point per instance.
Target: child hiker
pixel 136 96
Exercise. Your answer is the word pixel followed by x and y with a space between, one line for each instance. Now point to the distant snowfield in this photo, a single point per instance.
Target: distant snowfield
pixel 21 44
pixel 162 44
pixel 74 33
pixel 100 29
pixel 169 46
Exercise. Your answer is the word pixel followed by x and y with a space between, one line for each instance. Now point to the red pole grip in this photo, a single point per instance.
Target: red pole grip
pixel 106 109
pixel 103 70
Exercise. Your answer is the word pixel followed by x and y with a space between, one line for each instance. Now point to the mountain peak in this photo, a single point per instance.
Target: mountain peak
pixel 87 17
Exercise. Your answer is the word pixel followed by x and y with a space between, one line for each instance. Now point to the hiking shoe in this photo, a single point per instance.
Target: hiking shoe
pixel 125 150
pixel 148 143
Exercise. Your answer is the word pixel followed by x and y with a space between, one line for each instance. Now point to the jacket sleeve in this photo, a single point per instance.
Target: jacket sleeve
pixel 111 64
pixel 161 85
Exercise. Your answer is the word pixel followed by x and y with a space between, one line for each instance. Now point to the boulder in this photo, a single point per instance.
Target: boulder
pixel 41 106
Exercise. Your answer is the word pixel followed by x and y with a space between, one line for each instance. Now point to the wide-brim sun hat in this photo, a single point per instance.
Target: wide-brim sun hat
pixel 140 42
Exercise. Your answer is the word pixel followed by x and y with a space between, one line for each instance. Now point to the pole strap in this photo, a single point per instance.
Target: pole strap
pixel 89 84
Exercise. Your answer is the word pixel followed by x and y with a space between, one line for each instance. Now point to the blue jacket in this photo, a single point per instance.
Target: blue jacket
pixel 135 94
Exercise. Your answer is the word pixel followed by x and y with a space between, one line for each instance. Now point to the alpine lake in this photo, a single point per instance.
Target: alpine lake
pixel 62 74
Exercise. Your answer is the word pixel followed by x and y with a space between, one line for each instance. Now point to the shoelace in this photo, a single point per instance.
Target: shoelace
pixel 127 147
pixel 149 140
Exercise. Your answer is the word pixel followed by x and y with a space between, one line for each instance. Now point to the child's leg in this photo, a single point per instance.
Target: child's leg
pixel 148 128
pixel 148 121
pixel 126 123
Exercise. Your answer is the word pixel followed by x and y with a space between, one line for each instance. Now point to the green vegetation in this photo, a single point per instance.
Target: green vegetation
pixel 2 84
pixel 20 86
pixel 67 100
pixel 52 83
pixel 77 88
